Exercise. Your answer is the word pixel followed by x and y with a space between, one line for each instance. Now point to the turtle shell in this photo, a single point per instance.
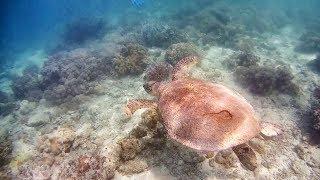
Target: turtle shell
pixel 206 116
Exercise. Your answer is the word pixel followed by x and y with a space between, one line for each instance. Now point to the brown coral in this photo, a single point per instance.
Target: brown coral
pixel 179 51
pixel 132 60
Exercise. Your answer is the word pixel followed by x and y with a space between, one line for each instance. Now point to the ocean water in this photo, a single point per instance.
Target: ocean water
pixel 148 89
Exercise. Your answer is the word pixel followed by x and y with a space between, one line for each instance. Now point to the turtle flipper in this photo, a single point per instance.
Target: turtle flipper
pixel 133 105
pixel 246 156
pixel 181 69
pixel 270 130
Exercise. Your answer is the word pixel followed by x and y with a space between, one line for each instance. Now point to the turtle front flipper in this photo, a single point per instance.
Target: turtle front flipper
pixel 270 130
pixel 133 105
pixel 182 68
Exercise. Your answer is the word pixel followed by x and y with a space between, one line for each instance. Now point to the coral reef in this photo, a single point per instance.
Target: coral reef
pixel 7 108
pixel 28 86
pixel 264 80
pixel 178 51
pixel 5 147
pixel 316 93
pixel 217 28
pixel 4 97
pixel 83 30
pixel 315 108
pixel 245 59
pixel 158 72
pixel 210 21
pixel 309 42
pixel 314 65
pixel 68 74
pixel 159 35
pixel 6 105
pixel 132 60
pixel 316 118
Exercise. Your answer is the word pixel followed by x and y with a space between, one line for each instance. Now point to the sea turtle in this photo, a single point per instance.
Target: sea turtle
pixel 204 116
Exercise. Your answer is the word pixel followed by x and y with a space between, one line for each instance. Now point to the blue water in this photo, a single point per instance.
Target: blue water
pixel 36 23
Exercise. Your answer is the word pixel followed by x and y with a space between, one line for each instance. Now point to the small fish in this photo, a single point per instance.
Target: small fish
pixel 137 3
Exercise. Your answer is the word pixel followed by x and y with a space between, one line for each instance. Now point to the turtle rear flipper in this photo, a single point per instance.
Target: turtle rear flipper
pixel 134 105
pixel 182 68
pixel 270 130
pixel 246 156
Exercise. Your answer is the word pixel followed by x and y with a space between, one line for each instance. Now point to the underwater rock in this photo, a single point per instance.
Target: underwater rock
pixel 130 147
pixel 150 118
pixel 158 72
pixel 131 61
pixel 133 167
pixel 5 147
pixel 28 86
pixel 246 156
pixel 26 107
pixel 68 74
pixel 57 142
pixel 245 59
pixel 163 36
pixel 309 42
pixel 178 51
pixel 83 30
pixel 264 80
pixel 4 176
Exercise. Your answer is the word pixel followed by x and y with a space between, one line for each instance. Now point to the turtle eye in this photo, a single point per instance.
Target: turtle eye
pixel 147 87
